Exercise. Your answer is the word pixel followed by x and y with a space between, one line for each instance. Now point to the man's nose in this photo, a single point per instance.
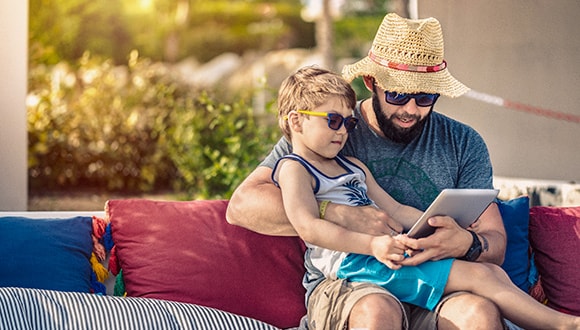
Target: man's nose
pixel 411 107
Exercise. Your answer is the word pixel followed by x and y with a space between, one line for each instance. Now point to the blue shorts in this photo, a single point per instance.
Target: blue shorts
pixel 421 285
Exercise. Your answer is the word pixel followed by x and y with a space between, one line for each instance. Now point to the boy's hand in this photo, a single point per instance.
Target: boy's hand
pixel 388 250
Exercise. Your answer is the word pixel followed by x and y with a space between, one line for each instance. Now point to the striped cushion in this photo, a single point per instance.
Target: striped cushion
pixel 22 308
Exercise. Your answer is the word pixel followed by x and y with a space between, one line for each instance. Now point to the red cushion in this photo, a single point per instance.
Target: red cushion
pixel 555 239
pixel 186 251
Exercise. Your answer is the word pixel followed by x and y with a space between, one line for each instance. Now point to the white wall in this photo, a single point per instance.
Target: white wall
pixel 525 51
pixel 13 77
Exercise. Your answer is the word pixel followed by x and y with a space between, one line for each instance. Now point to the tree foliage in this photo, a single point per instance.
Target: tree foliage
pixel 133 128
pixel 166 30
pixel 104 110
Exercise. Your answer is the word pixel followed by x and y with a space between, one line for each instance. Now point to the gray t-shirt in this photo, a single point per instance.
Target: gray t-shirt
pixel 448 154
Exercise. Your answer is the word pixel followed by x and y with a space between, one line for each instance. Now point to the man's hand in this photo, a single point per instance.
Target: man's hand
pixel 449 240
pixel 452 241
pixel 363 219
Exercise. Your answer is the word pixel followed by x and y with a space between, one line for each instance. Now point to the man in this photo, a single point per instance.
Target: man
pixel 414 153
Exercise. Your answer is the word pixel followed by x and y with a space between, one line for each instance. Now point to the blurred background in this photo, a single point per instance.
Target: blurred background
pixel 174 99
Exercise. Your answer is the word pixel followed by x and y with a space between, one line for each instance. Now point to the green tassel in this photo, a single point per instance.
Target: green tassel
pixel 119 289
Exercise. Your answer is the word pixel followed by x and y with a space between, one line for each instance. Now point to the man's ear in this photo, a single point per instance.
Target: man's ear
pixel 295 121
pixel 369 82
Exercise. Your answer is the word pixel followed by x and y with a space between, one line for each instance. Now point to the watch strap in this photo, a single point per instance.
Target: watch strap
pixel 474 250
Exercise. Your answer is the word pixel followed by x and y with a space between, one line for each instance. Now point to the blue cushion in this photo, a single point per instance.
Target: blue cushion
pixel 46 253
pixel 516 218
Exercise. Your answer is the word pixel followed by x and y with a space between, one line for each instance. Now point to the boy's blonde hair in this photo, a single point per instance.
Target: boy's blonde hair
pixel 308 88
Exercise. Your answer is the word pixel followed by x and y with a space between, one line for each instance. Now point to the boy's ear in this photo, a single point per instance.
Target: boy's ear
pixel 295 121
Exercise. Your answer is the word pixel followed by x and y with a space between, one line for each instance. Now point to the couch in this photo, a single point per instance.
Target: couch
pixel 146 264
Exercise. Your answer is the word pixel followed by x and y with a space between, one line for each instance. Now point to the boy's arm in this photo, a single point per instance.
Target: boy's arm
pixel 302 209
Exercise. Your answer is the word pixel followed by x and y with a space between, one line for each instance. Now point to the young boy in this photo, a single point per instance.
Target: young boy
pixel 315 114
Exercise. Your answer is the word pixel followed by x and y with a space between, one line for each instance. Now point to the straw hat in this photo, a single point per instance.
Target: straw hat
pixel 407 57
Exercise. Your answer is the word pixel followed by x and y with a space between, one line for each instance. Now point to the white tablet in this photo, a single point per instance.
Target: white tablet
pixel 463 205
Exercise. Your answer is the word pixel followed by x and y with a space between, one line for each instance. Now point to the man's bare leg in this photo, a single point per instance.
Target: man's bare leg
pixel 469 311
pixel 376 311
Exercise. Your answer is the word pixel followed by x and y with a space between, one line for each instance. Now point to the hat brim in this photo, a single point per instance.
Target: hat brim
pixel 441 82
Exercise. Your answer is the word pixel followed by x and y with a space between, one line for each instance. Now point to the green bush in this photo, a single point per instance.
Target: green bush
pixel 135 129
pixel 215 146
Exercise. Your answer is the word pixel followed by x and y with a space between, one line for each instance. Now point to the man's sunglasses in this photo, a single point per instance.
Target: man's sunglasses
pixel 422 99
pixel 335 120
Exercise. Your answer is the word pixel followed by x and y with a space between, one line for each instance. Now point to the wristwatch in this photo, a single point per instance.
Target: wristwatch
pixel 474 250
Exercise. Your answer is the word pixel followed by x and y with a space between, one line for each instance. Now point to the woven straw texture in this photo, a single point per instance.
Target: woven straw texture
pixel 407 42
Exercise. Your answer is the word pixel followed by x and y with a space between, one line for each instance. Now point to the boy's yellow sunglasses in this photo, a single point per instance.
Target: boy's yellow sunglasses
pixel 335 120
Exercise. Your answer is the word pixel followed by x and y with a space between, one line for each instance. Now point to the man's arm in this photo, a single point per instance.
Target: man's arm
pixel 256 204
pixel 492 235
pixel 450 240
pixel 363 219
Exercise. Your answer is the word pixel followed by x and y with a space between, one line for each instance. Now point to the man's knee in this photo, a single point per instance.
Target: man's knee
pixel 468 310
pixel 376 311
pixel 483 311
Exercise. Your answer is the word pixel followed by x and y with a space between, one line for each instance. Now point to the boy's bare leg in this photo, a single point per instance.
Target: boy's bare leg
pixel 491 282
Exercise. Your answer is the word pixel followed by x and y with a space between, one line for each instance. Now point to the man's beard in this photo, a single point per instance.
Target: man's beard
pixel 396 133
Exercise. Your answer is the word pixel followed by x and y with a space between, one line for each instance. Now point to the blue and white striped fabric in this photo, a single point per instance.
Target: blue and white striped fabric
pixel 22 308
